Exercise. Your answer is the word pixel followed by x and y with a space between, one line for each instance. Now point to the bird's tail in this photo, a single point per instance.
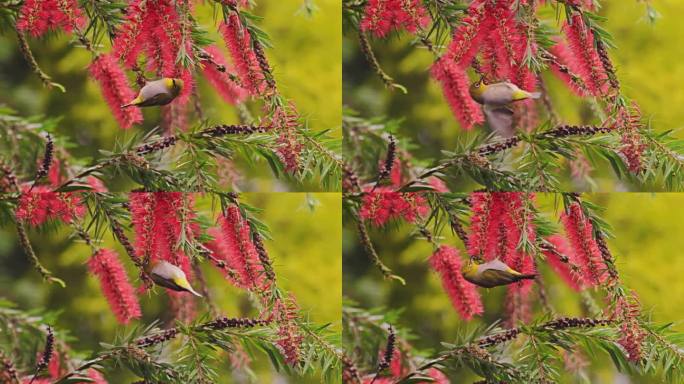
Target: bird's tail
pixel 530 276
pixel 534 95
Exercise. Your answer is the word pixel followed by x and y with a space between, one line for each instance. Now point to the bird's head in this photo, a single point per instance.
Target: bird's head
pixel 470 269
pixel 477 90
pixel 175 85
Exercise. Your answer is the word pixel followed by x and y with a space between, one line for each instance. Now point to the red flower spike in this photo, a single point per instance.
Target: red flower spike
pixel 132 34
pixel 565 57
pixel 115 89
pixel 437 376
pixel 289 342
pixel 168 229
pixel 141 206
pixel 383 204
pixel 382 16
pixel 239 45
pixel 469 36
pixel 42 204
pixel 234 245
pixel 580 233
pixel 156 219
pixel 455 86
pixel 588 64
pixel 118 291
pixel 563 269
pixel 229 90
pixel 463 295
pixel 627 311
pixel 96 376
pixel 285 121
pixel 36 17
pixel 479 222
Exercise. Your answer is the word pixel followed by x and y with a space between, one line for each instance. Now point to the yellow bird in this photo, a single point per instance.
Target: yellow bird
pixel 492 274
pixel 495 99
pixel 157 92
pixel 169 276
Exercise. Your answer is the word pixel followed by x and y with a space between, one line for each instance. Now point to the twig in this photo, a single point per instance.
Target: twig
pixel 47 354
pixel 28 249
pixel 505 336
pixel 375 65
pixel 372 254
pixel 493 148
pixel 33 64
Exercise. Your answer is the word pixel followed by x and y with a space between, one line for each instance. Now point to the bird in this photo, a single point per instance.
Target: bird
pixel 492 274
pixel 170 276
pixel 496 99
pixel 157 92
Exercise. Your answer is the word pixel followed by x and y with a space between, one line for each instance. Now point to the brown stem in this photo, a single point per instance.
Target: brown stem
pixel 33 64
pixel 372 253
pixel 33 258
pixel 375 65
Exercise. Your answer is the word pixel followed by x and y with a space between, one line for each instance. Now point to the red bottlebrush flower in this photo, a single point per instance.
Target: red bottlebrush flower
pixel 182 306
pixel 285 121
pixel 455 86
pixel 285 312
pixel 239 45
pixel 463 295
pixel 229 90
pixel 628 122
pixel 156 219
pixel 96 184
pixel 503 41
pixel 132 34
pixel 479 222
pixel 469 36
pixel 54 367
pixel 396 176
pixel 142 206
pixel 54 175
pixel 383 204
pixel 627 310
pixel 96 376
pixel 581 42
pixel 381 16
pixel 41 204
pixel 174 117
pixel 38 16
pixel 437 376
pixel 437 184
pixel 168 229
pixel 115 285
pixel 518 295
pixel 572 279
pixel 565 57
pixel 115 89
pixel 580 233
pixel 233 244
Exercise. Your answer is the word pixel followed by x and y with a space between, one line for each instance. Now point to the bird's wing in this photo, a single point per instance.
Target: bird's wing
pixel 496 264
pixel 494 277
pixel 500 119
pixel 158 99
pixel 499 93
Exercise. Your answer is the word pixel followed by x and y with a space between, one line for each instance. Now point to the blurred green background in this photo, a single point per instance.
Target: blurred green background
pixel 305 58
pixel 305 249
pixel 647 247
pixel 647 61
